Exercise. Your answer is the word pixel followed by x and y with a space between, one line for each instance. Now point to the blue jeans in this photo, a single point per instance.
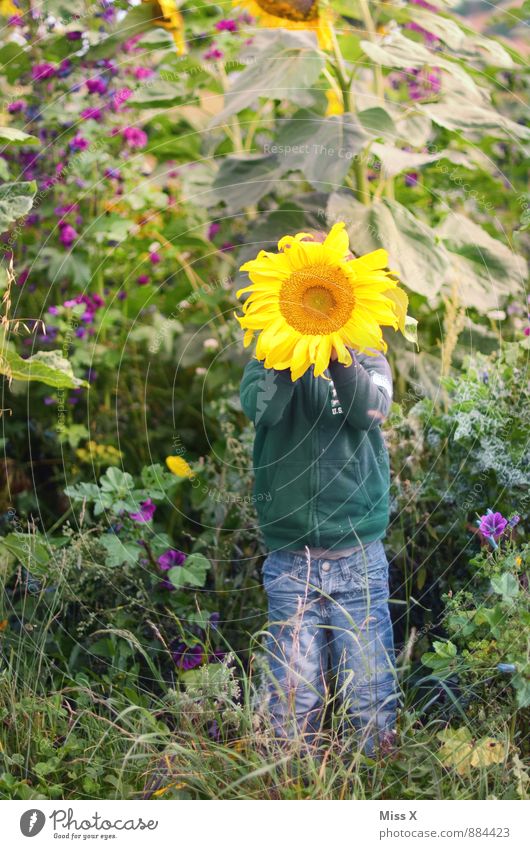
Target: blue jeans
pixel 337 608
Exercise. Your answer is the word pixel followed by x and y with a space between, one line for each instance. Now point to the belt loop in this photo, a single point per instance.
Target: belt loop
pixel 345 569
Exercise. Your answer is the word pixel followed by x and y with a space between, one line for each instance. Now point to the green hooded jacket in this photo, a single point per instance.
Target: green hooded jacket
pixel 321 466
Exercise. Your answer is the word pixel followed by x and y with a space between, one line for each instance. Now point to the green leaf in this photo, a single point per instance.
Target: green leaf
pixel 119 552
pixel 397 51
pixel 284 64
pixel 505 585
pixel 412 245
pixel 483 268
pixel 242 180
pixel 473 119
pixel 159 93
pixel 48 367
pixel 322 148
pixel 191 573
pixel 16 200
pixel 28 550
pixel 394 160
pixel 377 122
pixel 14 136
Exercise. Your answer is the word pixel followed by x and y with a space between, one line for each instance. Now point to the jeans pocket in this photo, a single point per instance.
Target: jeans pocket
pixel 368 568
pixel 280 569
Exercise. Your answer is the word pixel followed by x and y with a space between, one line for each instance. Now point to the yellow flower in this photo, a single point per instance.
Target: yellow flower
pixel 518 561
pixel 179 467
pixel 311 297
pixel 335 103
pixel 168 16
pixel 8 8
pixel 296 14
pixel 99 454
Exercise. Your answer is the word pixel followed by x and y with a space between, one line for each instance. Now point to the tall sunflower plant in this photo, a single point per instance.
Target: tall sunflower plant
pixel 313 300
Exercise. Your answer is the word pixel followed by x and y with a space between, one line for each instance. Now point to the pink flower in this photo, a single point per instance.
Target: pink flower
pixel 527 331
pixel 142 279
pixel 226 25
pixel 79 143
pixel 68 235
pixel 155 257
pixel 145 513
pixel 130 45
pixel 143 73
pixel 134 137
pixel 16 106
pixel 22 277
pixel 121 96
pixel 42 71
pixel 96 86
pixel 92 113
pixel 213 53
pixel 213 229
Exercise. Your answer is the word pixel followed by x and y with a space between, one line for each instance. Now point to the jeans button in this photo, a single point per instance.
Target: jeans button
pixel 326 566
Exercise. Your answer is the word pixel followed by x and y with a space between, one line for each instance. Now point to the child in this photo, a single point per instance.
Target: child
pixel 322 491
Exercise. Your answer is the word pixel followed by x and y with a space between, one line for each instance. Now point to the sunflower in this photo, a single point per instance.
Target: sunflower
pixel 313 297
pixel 166 14
pixel 295 14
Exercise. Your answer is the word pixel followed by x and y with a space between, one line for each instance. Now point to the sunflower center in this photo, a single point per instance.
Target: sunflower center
pixel 317 300
pixel 296 10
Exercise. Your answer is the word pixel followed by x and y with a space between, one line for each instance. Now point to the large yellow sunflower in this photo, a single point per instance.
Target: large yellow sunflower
pixel 312 297
pixel 293 14
pixel 168 16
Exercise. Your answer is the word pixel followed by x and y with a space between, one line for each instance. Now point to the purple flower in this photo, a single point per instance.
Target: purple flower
pixel 514 520
pixel 166 585
pixel 492 524
pixel 526 331
pixel 74 35
pixel 53 310
pixel 96 86
pixel 121 96
pixel 171 557
pixel 145 513
pixel 68 235
pixel 142 279
pixel 22 277
pixel 42 71
pixel 213 53
pixel 16 106
pixel 92 113
pixel 213 229
pixel 188 658
pixel 155 257
pixel 411 178
pixel 134 137
pixel 143 73
pixel 226 247
pixel 79 143
pixel 226 25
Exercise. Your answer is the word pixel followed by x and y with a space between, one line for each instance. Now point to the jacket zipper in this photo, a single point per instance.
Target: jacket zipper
pixel 316 464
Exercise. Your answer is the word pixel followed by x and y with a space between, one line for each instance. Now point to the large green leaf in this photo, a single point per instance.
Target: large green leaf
pixel 483 268
pixel 473 119
pixel 48 367
pixel 14 136
pixel 191 573
pixel 412 245
pixel 283 64
pixel 394 160
pixel 322 148
pixel 16 200
pixel 464 44
pixel 242 180
pixel 377 122
pixel 397 51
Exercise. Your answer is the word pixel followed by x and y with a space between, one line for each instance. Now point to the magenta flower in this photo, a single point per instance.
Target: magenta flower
pixel 143 73
pixel 213 53
pixel 526 331
pixel 74 35
pixel 68 235
pixel 171 557
pixel 142 279
pixel 213 229
pixel 134 137
pixel 411 178
pixel 96 86
pixel 92 113
pixel 22 277
pixel 79 143
pixel 145 513
pixel 42 71
pixel 16 106
pixel 155 257
pixel 121 96
pixel 226 25
pixel 188 658
pixel 492 524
